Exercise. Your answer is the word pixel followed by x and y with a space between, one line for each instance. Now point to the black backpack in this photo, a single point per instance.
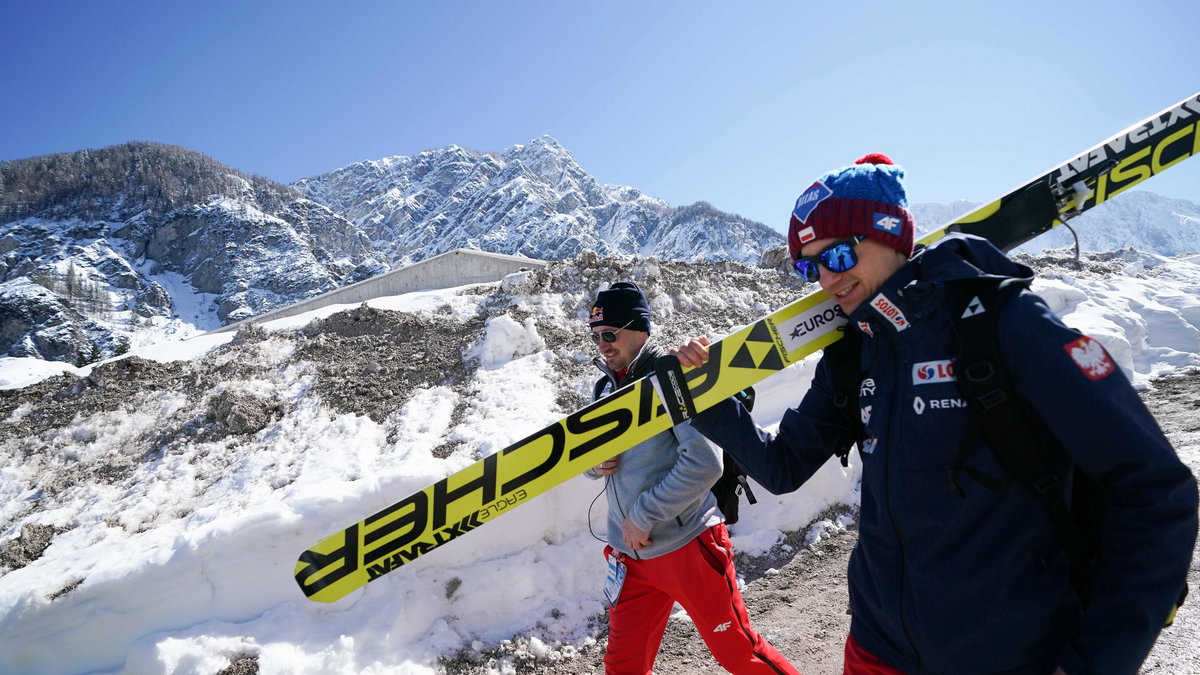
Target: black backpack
pixel 733 482
pixel 1020 440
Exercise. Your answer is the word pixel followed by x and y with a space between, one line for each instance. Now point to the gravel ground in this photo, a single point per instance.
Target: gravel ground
pixel 800 606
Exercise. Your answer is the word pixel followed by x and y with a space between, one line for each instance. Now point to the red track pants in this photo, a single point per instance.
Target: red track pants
pixel 701 578
pixel 861 662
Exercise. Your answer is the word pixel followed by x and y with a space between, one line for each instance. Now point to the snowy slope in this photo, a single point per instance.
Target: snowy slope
pixel 130 244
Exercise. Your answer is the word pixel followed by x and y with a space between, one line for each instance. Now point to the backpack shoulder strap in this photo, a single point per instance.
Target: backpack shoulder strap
pixel 598 388
pixel 845 363
pixel 733 482
pixel 1020 444
pixel 746 398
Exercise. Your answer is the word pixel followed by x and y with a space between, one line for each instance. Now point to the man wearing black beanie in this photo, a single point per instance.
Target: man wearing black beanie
pixel 667 540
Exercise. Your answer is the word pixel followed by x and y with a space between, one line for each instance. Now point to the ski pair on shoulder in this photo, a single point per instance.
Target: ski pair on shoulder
pixel 454 506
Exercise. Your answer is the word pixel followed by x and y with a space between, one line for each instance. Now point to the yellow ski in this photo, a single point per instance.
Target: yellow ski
pixel 478 494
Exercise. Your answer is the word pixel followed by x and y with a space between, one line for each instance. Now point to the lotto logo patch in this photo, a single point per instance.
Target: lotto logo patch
pixel 808 200
pixel 930 372
pixel 890 311
pixel 888 223
pixel 1091 358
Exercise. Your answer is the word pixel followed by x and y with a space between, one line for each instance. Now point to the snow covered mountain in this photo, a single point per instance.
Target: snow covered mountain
pixel 101 250
pixel 532 200
pixel 103 247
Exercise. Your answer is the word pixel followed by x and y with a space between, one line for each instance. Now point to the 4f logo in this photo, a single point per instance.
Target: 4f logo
pixel 888 223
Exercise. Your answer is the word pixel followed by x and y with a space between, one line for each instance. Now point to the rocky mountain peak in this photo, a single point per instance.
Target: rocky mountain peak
pixel 531 199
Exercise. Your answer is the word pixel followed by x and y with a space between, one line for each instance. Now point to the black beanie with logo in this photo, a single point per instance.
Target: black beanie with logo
pixel 621 305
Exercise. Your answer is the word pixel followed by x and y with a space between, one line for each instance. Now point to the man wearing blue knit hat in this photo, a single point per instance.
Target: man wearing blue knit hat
pixel 983 424
pixel 856 222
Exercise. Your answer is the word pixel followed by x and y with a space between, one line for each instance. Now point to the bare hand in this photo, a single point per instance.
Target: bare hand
pixel 635 537
pixel 607 467
pixel 692 353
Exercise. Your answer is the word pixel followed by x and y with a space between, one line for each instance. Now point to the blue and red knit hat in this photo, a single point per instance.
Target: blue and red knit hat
pixel 867 198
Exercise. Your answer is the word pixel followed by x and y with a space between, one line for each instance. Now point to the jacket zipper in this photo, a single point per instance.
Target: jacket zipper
pixel 897 402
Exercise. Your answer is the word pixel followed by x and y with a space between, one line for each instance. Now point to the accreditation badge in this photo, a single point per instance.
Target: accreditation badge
pixel 615 579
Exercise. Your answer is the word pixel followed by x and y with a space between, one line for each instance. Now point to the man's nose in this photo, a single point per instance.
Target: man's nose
pixel 829 278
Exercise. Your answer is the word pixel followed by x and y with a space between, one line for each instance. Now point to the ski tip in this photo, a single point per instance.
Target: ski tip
pixel 327 589
pixel 330 570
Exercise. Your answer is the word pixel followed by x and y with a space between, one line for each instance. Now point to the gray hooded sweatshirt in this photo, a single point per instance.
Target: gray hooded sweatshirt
pixel 663 483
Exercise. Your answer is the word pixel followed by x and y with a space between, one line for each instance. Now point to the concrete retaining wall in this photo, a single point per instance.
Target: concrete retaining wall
pixel 454 268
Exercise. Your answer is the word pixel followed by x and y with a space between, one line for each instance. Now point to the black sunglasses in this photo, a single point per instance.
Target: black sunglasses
pixel 837 257
pixel 608 336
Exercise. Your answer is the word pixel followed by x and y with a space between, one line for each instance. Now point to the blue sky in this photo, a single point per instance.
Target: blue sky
pixel 738 104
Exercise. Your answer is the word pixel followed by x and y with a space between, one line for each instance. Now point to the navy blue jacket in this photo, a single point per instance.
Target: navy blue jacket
pixel 979 583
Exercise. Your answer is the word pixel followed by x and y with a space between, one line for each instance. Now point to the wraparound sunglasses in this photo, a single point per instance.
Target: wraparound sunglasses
pixel 609 336
pixel 837 257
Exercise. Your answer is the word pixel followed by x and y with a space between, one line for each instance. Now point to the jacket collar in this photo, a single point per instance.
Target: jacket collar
pixel 889 310
pixel 916 290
